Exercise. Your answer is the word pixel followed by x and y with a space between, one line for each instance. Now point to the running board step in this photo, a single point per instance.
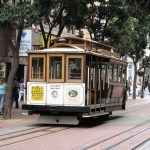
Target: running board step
pixel 95 115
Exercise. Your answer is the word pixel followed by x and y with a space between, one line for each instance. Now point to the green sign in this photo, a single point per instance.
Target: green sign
pixel 72 93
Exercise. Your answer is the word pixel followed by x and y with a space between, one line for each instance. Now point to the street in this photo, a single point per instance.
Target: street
pixel 129 129
pixel 74 75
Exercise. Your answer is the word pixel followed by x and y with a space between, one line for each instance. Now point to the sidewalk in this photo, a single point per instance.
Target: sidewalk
pixel 19 117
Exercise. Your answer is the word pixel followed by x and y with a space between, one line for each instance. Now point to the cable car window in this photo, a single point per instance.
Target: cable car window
pixel 55 68
pixel 37 66
pixel 124 74
pixel 119 73
pixel 93 75
pixel 111 72
pixel 103 69
pixel 115 73
pixel 74 69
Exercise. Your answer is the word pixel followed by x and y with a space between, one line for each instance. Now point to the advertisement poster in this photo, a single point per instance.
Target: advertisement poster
pixel 26 42
pixel 37 93
pixel 74 94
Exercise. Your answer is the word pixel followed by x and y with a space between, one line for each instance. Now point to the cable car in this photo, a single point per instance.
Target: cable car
pixel 74 79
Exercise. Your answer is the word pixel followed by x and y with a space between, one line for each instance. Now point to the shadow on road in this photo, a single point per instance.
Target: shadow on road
pixel 92 122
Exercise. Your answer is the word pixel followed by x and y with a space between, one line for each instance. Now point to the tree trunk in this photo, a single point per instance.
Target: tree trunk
pixel 14 68
pixel 135 80
pixel 8 99
pixel 60 31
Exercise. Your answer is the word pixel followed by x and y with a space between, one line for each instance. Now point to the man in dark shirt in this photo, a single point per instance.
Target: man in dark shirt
pixel 15 93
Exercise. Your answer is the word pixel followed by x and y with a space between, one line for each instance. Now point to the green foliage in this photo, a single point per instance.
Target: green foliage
pixel 58 12
pixel 130 36
pixel 146 62
pixel 13 14
pixel 142 4
pixel 99 14
pixel 6 13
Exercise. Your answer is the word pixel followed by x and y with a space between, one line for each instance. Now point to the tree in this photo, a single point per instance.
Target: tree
pixel 143 4
pixel 17 16
pixel 130 36
pixel 98 15
pixel 57 13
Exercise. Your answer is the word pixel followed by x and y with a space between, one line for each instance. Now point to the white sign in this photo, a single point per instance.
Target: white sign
pixel 55 94
pixel 74 94
pixel 26 42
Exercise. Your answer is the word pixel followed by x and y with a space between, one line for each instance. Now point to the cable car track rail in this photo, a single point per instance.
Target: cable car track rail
pixel 127 139
pixel 141 144
pixel 30 135
pixel 22 132
pixel 114 136
pixel 9 133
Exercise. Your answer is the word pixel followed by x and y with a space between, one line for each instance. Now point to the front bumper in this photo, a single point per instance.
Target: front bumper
pixel 48 109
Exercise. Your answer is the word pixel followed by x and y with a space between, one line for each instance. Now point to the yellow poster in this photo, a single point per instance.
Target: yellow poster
pixel 37 93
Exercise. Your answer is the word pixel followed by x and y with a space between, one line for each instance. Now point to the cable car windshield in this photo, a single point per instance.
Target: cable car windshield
pixel 55 67
pixel 74 65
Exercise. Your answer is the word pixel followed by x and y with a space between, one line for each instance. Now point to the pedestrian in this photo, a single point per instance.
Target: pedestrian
pixel 2 95
pixel 145 84
pixel 138 89
pixel 21 90
pixel 149 85
pixel 129 87
pixel 15 93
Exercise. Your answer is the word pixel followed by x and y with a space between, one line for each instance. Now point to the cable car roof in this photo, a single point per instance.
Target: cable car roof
pixel 78 45
pixel 99 52
pixel 80 41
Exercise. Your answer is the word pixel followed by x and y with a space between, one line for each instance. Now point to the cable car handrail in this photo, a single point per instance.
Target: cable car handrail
pixel 64 45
